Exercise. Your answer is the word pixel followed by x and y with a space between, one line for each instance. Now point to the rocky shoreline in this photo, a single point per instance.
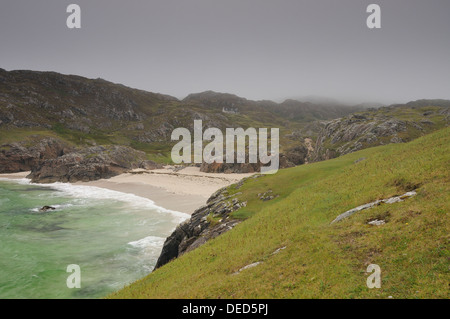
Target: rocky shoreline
pixel 206 223
pixel 52 160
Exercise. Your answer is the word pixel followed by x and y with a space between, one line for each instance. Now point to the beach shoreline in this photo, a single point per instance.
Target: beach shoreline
pixel 182 190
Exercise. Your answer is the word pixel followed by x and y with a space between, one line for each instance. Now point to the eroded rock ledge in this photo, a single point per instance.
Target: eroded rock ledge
pixel 391 200
pixel 23 156
pixel 89 164
pixel 206 223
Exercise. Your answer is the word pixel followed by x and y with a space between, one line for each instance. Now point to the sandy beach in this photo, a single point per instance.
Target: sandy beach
pixel 184 190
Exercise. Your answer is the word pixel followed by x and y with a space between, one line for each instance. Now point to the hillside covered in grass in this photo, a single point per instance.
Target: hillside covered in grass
pixel 296 252
pixel 90 112
pixel 50 121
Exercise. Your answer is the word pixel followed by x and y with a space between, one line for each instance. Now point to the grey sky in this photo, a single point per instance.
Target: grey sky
pixel 258 49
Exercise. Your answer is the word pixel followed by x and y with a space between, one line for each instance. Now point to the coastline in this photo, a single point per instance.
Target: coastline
pixel 183 191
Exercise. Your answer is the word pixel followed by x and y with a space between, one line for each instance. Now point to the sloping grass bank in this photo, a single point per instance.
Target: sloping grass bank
pixel 323 260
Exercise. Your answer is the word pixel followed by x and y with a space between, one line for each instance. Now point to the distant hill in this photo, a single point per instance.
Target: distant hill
pixel 83 113
pixel 88 112
pixel 49 100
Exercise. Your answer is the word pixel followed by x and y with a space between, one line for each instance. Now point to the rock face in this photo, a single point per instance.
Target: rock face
pixel 206 223
pixel 230 167
pixel 393 124
pixel 24 156
pixel 52 160
pixel 292 157
pixel 90 164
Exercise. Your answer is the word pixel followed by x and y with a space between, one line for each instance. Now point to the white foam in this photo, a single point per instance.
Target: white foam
pixel 148 242
pixel 93 192
pixel 22 181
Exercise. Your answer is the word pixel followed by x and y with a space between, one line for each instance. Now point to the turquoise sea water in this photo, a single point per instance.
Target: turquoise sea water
pixel 114 237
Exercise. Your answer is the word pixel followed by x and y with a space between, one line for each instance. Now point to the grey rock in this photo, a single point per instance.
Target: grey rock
pixel 25 156
pixel 377 222
pixel 391 200
pixel 196 231
pixel 248 267
pixel 89 164
pixel 373 128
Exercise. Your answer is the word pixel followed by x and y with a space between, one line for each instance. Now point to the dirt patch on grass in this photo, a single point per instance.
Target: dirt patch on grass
pixel 405 217
pixel 349 238
pixel 404 185
pixel 371 256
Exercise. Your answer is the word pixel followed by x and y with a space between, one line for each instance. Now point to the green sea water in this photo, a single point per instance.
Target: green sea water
pixel 114 237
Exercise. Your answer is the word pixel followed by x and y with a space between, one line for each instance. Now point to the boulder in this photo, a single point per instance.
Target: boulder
pixel 46 208
pixel 24 156
pixel 199 229
pixel 89 164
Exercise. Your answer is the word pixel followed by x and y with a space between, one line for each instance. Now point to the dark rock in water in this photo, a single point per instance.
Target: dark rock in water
pixel 46 208
pixel 199 229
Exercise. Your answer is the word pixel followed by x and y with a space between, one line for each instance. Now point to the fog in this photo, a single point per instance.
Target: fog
pixel 257 49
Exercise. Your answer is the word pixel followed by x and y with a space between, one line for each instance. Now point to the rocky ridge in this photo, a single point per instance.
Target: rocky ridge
pixel 393 124
pixel 26 155
pixel 206 223
pixel 89 164
pixel 290 158
pixel 83 109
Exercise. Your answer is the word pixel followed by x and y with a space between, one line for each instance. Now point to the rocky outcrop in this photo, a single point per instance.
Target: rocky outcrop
pixel 390 200
pixel 89 164
pixel 206 223
pixel 393 124
pixel 52 160
pixel 266 196
pixel 230 167
pixel 24 156
pixel 292 157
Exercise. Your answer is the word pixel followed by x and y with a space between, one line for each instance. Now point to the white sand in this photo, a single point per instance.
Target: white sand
pixel 184 191
pixel 15 175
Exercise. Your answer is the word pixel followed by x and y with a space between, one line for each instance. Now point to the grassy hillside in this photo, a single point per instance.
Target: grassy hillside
pixel 87 112
pixel 323 260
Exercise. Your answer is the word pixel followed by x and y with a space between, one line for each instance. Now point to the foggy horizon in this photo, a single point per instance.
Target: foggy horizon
pixel 258 50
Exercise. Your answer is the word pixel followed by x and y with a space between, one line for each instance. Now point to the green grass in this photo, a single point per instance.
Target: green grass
pixel 19 135
pixel 157 152
pixel 323 260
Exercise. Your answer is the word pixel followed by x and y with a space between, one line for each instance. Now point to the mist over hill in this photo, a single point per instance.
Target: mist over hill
pixel 82 113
